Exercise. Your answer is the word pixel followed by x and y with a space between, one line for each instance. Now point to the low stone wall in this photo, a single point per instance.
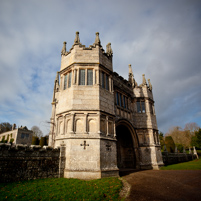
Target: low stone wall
pixel 23 162
pixel 173 158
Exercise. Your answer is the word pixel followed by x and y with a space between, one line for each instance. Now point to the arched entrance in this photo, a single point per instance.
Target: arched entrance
pixel 126 156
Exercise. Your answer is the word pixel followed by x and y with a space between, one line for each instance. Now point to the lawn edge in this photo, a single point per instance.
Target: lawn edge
pixel 125 191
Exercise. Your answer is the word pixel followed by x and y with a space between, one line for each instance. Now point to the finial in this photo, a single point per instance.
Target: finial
pixel 150 85
pixel 131 76
pixel 77 39
pixel 109 49
pixel 57 82
pixel 144 82
pixel 63 51
pixel 57 77
pixel 130 69
pixel 97 40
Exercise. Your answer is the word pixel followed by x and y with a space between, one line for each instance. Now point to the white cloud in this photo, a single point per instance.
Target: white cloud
pixel 159 38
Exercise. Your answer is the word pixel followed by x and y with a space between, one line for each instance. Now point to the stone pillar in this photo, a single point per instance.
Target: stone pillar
pixel 85 123
pixel 107 126
pixel 114 129
pixel 72 123
pixel 62 160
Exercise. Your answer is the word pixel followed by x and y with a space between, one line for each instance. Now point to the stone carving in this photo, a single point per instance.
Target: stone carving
pixel 144 82
pixel 109 49
pixel 63 51
pixel 108 147
pixel 77 39
pixel 190 152
pixel 131 77
pixel 97 40
pixel 150 85
pixel 84 144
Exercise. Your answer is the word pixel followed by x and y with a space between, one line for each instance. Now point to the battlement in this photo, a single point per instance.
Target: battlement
pixel 80 54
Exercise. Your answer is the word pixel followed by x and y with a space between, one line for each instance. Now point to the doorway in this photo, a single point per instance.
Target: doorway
pixel 125 151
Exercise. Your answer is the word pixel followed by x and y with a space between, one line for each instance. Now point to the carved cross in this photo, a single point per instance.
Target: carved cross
pixel 108 147
pixel 84 144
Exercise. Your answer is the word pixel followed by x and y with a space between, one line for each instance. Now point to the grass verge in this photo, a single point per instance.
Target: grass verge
pixel 62 189
pixel 191 165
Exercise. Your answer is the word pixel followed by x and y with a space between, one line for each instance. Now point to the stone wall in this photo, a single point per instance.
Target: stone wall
pixel 22 162
pixel 174 158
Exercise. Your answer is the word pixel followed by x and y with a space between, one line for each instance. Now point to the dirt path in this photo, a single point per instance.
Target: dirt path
pixel 174 185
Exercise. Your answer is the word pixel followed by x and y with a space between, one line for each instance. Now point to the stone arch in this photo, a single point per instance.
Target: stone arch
pixel 79 127
pixel 127 145
pixel 92 126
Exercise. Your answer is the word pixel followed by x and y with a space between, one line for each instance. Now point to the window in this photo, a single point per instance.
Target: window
pixel 107 82
pixel 143 107
pixel 65 81
pixel 69 79
pixel 24 135
pixel 124 101
pixel 89 77
pixel 117 98
pixel 140 106
pixel 120 101
pixel 82 77
pixel 103 80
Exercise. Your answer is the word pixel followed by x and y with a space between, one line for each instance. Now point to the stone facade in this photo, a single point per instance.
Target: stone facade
pixel 107 123
pixel 20 135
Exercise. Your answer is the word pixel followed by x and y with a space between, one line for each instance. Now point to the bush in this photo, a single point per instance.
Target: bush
pixel 170 145
pixel 35 140
pixel 180 148
pixel 42 141
pixel 11 140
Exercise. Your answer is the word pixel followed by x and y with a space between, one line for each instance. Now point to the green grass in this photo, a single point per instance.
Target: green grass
pixel 62 189
pixel 191 165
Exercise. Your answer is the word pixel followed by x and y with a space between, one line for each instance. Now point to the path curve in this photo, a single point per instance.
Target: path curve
pixel 164 185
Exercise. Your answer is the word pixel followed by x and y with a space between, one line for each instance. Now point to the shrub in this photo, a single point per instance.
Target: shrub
pixel 170 145
pixel 42 141
pixel 35 140
pixel 11 140
pixel 180 148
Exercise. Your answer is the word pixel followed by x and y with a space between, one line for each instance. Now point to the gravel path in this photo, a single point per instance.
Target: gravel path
pixel 174 185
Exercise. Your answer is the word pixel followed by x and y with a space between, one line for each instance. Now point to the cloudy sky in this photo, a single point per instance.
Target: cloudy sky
pixel 158 37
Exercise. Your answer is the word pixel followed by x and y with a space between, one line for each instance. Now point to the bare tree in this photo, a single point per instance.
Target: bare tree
pixel 192 127
pixel 5 126
pixel 183 136
pixel 36 131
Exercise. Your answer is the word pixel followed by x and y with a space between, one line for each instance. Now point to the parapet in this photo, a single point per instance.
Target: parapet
pixel 80 54
pixel 21 147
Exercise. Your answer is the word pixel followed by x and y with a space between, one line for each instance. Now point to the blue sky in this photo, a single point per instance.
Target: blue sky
pixel 159 38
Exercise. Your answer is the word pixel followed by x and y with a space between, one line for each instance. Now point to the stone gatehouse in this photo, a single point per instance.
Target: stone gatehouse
pixel 105 122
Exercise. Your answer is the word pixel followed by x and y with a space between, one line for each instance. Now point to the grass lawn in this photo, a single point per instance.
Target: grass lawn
pixel 191 165
pixel 62 189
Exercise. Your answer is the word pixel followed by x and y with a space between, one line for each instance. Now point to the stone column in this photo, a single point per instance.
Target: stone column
pixel 72 123
pixel 99 122
pixel 62 159
pixel 107 126
pixel 85 123
pixel 114 129
pixel 77 81
pixel 94 76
